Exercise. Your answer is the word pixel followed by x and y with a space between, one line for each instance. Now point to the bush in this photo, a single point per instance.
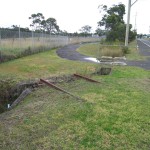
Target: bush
pixel 125 50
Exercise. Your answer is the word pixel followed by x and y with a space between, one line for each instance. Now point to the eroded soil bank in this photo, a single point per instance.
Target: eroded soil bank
pixel 10 90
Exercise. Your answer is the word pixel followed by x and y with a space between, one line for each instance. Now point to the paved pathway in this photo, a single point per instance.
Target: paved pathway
pixel 69 52
pixel 144 50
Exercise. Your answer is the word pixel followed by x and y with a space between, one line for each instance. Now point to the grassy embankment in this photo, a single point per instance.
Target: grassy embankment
pixel 36 66
pixel 44 64
pixel 111 49
pixel 115 114
pixel 13 48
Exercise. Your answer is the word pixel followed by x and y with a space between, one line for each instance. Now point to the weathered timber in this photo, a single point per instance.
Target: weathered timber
pixel 25 93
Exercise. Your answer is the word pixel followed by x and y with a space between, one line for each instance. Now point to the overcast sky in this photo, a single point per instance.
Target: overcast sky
pixel 71 15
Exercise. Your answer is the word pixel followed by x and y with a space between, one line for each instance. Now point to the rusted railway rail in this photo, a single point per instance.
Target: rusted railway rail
pixel 60 89
pixel 63 90
pixel 86 78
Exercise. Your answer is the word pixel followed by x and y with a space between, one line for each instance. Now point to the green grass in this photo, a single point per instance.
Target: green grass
pixel 134 52
pixel 96 50
pixel 115 114
pixel 89 49
pixel 36 66
pixel 41 65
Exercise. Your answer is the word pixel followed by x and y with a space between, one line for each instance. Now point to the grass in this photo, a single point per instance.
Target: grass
pixel 16 47
pixel 134 52
pixel 89 49
pixel 97 50
pixel 36 66
pixel 41 65
pixel 115 114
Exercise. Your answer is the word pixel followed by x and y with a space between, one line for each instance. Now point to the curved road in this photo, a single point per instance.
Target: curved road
pixel 69 52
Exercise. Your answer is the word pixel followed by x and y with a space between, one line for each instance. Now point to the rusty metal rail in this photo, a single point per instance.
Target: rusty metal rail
pixel 60 89
pixel 86 78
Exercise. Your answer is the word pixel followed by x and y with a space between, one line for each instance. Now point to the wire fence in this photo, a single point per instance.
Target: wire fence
pixel 15 44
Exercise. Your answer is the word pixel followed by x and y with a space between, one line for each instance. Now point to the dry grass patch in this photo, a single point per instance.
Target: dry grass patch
pixel 112 51
pixel 97 50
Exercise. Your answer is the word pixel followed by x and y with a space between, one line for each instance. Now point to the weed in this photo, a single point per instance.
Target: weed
pixel 125 50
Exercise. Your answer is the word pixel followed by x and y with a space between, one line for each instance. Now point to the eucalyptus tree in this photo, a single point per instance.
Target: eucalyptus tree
pixel 37 19
pixel 113 22
pixel 50 25
pixel 86 30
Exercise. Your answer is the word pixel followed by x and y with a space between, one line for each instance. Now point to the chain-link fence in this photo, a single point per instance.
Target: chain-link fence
pixel 15 44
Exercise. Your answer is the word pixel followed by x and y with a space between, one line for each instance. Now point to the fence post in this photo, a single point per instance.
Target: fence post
pixel 50 39
pixel 19 38
pixel 32 38
pixel 43 46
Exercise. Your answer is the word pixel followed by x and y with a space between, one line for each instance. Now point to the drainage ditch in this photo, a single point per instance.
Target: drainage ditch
pixel 11 93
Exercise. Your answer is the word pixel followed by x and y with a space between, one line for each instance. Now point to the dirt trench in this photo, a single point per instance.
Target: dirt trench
pixel 10 90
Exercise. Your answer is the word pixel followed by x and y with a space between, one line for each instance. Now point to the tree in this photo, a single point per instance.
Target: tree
pixel 140 36
pixel 37 19
pixel 50 25
pixel 113 22
pixel 15 27
pixel 100 32
pixel 85 30
pixel 40 24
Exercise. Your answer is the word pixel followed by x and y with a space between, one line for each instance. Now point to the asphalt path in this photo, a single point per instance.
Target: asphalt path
pixel 69 52
pixel 144 47
pixel 144 50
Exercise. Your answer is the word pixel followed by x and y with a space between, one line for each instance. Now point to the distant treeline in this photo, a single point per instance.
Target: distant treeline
pixel 16 28
pixel 13 32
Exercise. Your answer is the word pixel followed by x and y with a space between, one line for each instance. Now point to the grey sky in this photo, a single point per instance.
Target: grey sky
pixel 71 15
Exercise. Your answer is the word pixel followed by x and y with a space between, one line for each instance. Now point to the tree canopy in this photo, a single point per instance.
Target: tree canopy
pixel 39 23
pixel 113 22
pixel 36 20
pixel 86 30
pixel 50 25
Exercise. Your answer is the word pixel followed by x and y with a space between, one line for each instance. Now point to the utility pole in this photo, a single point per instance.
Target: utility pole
pixel 135 22
pixel 19 38
pixel 128 22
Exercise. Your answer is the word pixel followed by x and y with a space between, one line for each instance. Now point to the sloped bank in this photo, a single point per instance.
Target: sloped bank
pixel 10 90
pixel 12 93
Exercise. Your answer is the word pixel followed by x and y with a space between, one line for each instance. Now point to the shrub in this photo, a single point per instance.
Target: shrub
pixel 125 50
